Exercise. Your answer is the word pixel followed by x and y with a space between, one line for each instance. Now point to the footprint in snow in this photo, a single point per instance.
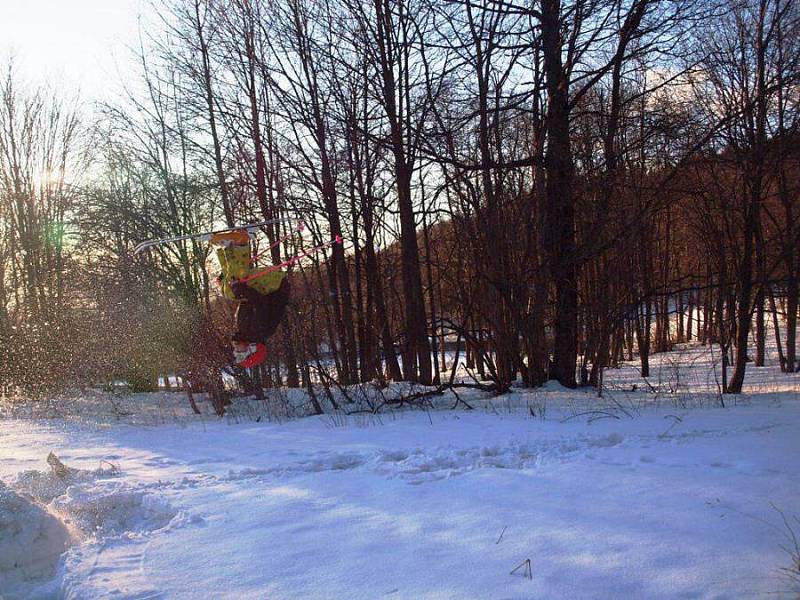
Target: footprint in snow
pixel 608 441
pixel 393 456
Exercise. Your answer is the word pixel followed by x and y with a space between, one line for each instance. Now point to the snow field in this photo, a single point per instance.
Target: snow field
pixel 633 508
pixel 650 495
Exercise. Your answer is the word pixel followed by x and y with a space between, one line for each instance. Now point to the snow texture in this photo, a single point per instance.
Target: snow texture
pixel 31 540
pixel 639 494
pixel 47 511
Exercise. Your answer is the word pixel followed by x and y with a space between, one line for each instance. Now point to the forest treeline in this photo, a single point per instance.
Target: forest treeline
pixel 549 187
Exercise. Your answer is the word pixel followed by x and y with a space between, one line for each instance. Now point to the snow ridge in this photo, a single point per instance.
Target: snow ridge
pixel 421 465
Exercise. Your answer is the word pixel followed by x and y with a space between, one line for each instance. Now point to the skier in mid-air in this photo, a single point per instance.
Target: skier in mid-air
pixel 261 297
pixel 261 294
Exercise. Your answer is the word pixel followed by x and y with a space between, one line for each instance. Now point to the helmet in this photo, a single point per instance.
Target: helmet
pixel 254 355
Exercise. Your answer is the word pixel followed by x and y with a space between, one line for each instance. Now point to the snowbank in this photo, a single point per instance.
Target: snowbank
pixel 31 542
pixel 94 503
pixel 43 513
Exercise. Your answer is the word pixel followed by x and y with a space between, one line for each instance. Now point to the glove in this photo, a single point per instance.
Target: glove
pixel 242 291
pixel 237 287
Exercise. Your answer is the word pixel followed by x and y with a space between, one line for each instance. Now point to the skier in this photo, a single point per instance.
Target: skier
pixel 261 301
pixel 261 295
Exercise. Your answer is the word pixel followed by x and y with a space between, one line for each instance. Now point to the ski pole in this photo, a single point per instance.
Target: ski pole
pixel 298 229
pixel 337 240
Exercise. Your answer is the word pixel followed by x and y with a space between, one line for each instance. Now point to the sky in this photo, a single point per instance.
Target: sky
pixel 78 45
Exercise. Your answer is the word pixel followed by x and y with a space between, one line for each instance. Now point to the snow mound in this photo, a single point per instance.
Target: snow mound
pixel 31 540
pixel 45 486
pixel 43 513
pixel 94 502
pixel 112 508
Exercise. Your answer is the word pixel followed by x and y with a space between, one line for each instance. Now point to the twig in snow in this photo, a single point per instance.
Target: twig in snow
pixel 501 535
pixel 59 468
pixel 675 420
pixel 619 405
pixel 493 388
pixel 528 572
pixel 459 399
pixel 595 415
pixel 652 389
pixel 792 548
pixel 114 468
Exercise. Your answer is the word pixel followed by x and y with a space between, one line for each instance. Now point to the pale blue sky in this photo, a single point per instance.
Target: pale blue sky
pixel 74 43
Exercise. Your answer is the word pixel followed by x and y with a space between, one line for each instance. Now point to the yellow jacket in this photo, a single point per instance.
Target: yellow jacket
pixel 235 263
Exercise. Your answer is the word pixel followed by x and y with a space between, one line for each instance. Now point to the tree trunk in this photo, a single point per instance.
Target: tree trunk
pixel 752 210
pixel 559 210
pixel 776 327
pixel 208 89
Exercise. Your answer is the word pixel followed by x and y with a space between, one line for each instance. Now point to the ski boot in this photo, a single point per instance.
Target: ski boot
pixel 228 239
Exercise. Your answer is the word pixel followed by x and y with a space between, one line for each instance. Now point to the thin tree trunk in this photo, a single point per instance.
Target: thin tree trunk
pixel 417 352
pixel 208 89
pixel 776 327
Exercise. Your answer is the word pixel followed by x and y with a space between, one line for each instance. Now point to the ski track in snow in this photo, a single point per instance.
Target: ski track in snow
pixel 420 465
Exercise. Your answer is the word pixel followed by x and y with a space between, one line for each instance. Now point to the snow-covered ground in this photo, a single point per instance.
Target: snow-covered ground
pixel 652 493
